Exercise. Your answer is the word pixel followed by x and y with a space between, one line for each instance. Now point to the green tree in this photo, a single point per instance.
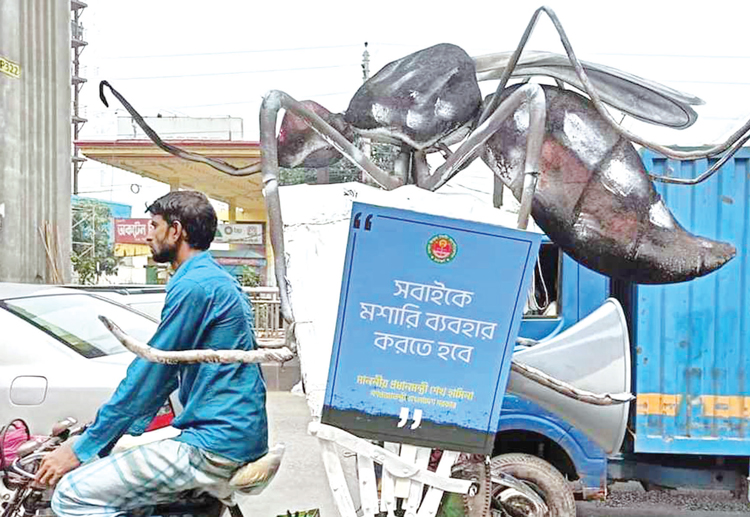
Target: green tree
pixel 249 277
pixel 93 251
pixel 383 155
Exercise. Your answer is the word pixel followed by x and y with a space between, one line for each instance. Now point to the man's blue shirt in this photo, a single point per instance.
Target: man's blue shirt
pixel 224 405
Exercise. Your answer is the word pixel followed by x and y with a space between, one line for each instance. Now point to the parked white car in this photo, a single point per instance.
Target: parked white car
pixel 148 299
pixel 269 329
pixel 57 359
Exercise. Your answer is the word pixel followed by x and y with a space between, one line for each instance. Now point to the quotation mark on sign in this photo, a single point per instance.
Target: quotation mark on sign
pixel 404 417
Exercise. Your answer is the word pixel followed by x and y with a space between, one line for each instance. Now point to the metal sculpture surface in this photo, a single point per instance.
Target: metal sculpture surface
pixel 594 198
pixel 572 167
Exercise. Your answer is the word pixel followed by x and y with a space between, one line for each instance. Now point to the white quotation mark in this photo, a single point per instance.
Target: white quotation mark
pixel 404 417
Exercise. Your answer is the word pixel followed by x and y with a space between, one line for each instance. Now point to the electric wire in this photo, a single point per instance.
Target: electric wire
pixel 212 74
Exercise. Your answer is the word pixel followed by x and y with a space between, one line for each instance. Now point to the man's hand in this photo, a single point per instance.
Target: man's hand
pixel 56 464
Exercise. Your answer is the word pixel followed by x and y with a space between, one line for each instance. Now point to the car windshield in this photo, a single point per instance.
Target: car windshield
pixel 153 309
pixel 73 319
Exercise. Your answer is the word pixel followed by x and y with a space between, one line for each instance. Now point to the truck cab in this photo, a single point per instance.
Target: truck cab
pixel 564 293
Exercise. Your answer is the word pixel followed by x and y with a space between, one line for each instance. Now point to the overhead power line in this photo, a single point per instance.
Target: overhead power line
pixel 172 109
pixel 257 101
pixel 231 52
pixel 686 56
pixel 693 81
pixel 234 73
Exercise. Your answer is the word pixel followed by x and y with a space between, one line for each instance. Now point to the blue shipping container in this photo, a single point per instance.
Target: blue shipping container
pixel 690 339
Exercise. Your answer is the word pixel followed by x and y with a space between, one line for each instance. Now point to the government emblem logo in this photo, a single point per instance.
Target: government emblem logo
pixel 442 248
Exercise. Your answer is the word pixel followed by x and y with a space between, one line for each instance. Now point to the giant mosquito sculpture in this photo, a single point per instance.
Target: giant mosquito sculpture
pixel 561 153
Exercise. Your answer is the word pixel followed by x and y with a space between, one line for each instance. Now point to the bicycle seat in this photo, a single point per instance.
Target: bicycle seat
pixel 253 478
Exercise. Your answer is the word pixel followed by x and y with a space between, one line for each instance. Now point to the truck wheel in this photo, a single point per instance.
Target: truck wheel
pixel 542 477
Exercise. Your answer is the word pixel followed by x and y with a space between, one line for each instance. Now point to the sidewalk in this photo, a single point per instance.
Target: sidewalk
pixel 301 483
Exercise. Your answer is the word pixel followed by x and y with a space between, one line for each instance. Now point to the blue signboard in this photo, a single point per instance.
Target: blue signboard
pixel 428 316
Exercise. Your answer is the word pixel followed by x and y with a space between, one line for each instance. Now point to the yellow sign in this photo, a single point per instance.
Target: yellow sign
pixel 658 404
pixel 726 406
pixel 131 250
pixel 10 68
pixel 710 406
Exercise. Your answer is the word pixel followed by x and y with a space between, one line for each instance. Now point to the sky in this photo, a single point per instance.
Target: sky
pixel 218 59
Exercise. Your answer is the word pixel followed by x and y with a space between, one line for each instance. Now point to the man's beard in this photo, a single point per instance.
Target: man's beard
pixel 166 254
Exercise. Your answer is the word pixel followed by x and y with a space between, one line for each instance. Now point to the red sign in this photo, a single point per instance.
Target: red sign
pixel 131 231
pixel 239 261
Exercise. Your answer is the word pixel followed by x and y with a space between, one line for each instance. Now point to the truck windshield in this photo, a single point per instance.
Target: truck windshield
pixel 73 320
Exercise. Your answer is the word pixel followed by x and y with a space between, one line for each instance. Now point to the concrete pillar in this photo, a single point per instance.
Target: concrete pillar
pixel 270 270
pixel 35 141
pixel 497 193
pixel 232 211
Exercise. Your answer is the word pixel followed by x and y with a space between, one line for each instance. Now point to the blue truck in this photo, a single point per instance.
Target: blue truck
pixel 689 425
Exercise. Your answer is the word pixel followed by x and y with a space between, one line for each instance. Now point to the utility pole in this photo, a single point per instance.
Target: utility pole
pixel 77 44
pixel 365 64
pixel 365 143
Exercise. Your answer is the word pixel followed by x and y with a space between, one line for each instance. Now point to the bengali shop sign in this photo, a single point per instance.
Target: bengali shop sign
pixel 131 231
pixel 428 316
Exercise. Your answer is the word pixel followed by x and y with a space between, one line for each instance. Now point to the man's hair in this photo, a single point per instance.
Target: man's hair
pixel 193 210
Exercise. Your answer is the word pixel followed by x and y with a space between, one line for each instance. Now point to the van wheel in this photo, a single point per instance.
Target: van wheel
pixel 539 475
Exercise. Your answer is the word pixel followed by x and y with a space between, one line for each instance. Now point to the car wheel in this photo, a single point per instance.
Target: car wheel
pixel 539 475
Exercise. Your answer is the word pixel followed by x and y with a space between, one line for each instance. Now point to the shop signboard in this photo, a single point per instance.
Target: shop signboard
pixel 131 231
pixel 244 233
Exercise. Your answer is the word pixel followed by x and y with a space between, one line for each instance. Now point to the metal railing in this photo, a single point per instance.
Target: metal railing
pixel 266 308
